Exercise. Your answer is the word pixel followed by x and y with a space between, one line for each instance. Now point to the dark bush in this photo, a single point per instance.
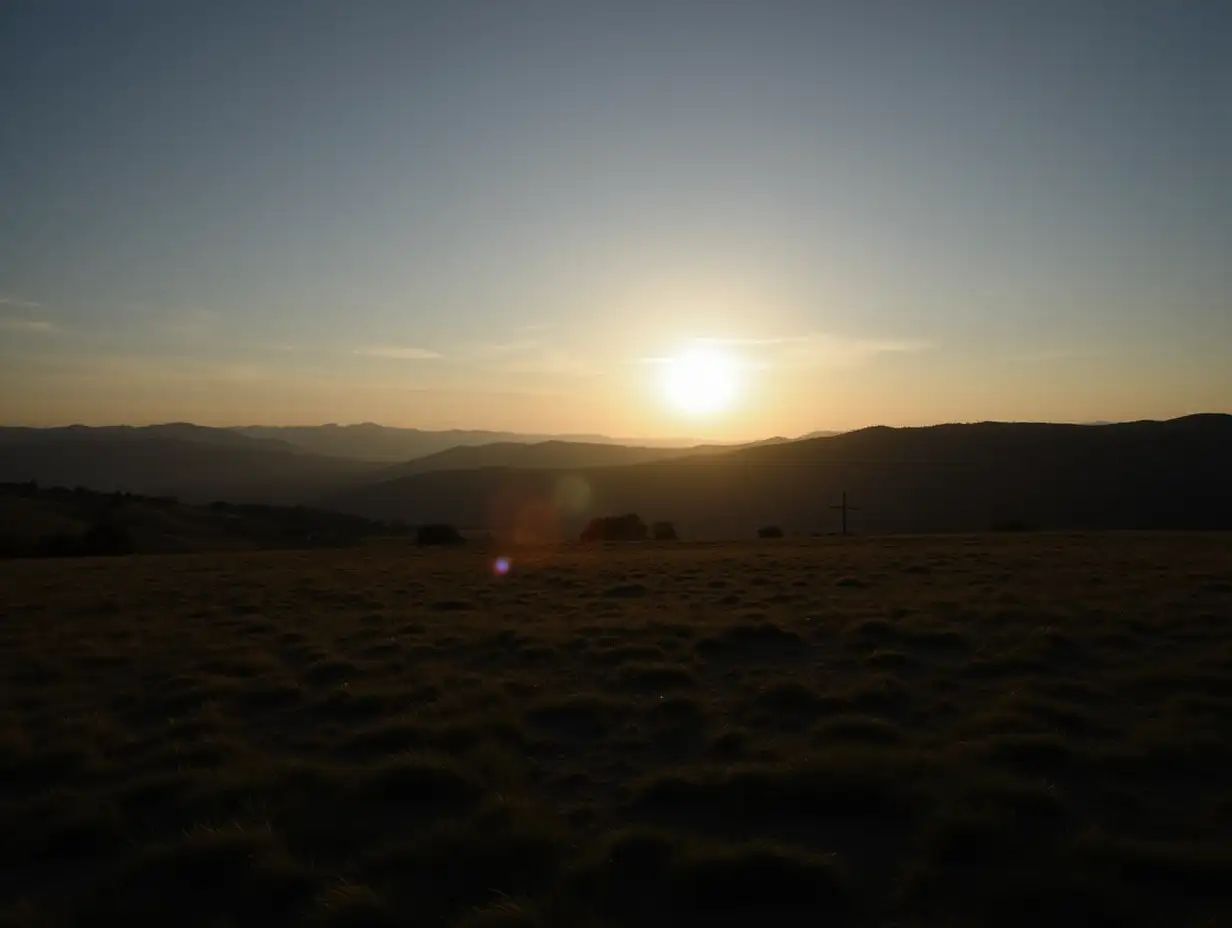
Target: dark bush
pixel 438 534
pixel 1013 525
pixel 628 527
pixel 770 531
pixel 664 531
pixel 106 537
pixel 60 544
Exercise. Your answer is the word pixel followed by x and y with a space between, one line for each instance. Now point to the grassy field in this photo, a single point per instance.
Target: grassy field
pixel 899 731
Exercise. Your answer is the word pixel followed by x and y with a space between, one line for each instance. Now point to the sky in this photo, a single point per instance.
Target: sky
pixel 508 214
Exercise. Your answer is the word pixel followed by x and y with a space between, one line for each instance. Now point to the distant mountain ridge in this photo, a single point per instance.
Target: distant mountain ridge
pixel 556 455
pixel 371 442
pixel 952 477
pixel 203 468
pixel 176 431
pixel 363 442
pixel 944 478
pixel 203 464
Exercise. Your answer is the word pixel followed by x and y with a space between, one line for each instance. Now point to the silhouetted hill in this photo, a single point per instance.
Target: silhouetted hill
pixel 202 464
pixel 238 469
pixel 58 522
pixel 548 455
pixel 370 442
pixel 177 431
pixel 946 478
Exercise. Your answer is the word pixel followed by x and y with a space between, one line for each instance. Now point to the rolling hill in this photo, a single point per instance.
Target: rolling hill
pixel 371 442
pixel 222 467
pixel 202 464
pixel 946 478
pixel 172 431
pixel 553 455
pixel 57 522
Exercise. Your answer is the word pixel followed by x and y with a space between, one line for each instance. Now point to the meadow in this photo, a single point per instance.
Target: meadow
pixel 910 731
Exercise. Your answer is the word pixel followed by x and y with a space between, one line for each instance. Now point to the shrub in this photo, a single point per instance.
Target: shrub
pixel 664 531
pixel 1013 525
pixel 628 527
pixel 770 531
pixel 438 534
pixel 106 537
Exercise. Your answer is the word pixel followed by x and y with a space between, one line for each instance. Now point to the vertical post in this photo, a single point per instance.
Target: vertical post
pixel 843 507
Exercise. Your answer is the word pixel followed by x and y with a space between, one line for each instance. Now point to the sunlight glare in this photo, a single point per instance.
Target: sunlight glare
pixel 700 381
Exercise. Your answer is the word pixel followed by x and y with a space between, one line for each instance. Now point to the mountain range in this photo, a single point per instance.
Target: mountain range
pixel 370 442
pixel 254 465
pixel 948 478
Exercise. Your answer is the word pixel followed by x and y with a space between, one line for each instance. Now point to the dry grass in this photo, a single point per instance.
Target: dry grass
pixel 909 731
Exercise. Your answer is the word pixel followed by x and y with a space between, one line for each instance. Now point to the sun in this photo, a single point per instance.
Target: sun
pixel 701 381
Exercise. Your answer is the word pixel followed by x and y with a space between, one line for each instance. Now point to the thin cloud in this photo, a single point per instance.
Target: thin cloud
pixel 839 349
pixel 549 363
pixel 191 325
pixel 396 352
pixel 30 326
pixel 502 349
pixel 813 348
pixel 487 350
pixel 1048 355
pixel 526 356
pixel 19 304
pixel 781 340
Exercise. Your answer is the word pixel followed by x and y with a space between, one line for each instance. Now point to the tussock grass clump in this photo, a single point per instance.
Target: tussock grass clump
pixel 760 879
pixel 507 913
pixel 655 677
pixel 577 716
pixel 872 632
pixel 788 702
pixel 857 729
pixel 351 905
pixel 656 877
pixel 416 779
pixel 759 639
pixel 626 654
pixel 895 661
pixel 210 872
pixel 852 784
pixel 626 591
pixel 500 850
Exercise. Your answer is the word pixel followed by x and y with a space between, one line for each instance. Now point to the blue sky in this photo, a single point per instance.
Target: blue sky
pixel 496 214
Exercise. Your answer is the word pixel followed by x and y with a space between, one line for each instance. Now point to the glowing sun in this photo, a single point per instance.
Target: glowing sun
pixel 701 381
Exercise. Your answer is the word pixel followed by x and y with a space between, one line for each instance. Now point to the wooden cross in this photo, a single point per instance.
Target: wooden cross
pixel 844 507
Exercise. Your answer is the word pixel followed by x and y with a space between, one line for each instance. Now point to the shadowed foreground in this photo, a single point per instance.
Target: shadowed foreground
pixel 910 731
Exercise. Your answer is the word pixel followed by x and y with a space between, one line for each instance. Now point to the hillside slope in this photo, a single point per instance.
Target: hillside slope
pixel 196 471
pixel 174 431
pixel 937 479
pixel 371 442
pixel 546 455
pixel 54 521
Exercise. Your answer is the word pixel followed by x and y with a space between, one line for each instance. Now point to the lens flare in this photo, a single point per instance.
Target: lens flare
pixel 501 567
